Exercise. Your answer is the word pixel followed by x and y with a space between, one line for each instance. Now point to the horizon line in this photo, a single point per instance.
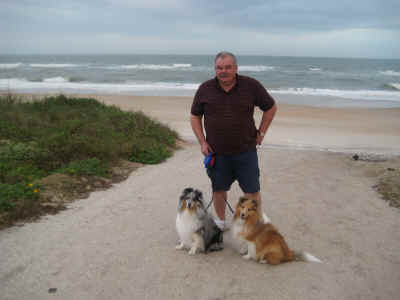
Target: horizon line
pixel 200 54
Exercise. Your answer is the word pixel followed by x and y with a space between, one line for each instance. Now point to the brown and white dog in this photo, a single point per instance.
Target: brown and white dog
pixel 196 228
pixel 264 243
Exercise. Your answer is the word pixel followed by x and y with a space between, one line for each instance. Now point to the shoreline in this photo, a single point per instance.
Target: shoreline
pixel 302 127
pixel 325 101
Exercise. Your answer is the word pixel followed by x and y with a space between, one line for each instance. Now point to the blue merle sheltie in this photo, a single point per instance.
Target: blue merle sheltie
pixel 196 228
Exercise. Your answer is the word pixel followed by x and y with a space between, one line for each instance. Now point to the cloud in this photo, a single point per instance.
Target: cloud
pixel 255 26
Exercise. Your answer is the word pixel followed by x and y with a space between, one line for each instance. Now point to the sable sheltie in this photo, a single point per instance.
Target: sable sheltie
pixel 196 228
pixel 264 243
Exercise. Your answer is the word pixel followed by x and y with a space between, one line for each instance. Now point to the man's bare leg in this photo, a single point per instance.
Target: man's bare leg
pixel 219 199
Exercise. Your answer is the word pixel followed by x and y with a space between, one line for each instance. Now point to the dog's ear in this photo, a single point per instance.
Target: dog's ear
pixel 186 192
pixel 242 200
pixel 181 203
pixel 255 203
pixel 198 196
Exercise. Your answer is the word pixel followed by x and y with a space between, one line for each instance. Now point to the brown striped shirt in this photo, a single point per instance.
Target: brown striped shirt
pixel 228 116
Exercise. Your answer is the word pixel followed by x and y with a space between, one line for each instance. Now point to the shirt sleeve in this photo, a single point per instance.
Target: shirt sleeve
pixel 197 107
pixel 263 99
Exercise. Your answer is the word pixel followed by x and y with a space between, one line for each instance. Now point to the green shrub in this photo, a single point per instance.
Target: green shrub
pixel 76 136
pixel 149 152
pixel 88 167
pixel 20 195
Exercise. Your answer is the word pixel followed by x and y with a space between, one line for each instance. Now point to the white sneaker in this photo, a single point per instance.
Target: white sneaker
pixel 223 225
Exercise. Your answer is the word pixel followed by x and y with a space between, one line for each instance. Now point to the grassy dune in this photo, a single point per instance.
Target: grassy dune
pixel 79 138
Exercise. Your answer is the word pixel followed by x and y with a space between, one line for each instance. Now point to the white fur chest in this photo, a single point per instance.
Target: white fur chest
pixel 237 228
pixel 186 225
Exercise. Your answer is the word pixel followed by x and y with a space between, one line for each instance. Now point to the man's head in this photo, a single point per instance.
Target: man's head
pixel 226 68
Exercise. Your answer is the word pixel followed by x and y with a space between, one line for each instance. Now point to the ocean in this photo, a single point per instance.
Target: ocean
pixel 297 80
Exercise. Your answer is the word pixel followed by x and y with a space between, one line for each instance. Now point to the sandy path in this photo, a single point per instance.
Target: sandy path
pixel 119 243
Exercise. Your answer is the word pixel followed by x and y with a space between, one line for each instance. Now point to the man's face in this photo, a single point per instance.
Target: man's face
pixel 226 69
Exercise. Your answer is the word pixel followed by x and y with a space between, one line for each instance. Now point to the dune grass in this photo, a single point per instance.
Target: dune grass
pixel 73 136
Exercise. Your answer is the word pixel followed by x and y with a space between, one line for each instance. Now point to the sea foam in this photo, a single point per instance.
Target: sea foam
pixel 55 80
pixel 60 84
pixel 149 67
pixel 256 68
pixel 396 86
pixel 390 73
pixel 346 94
pixel 11 66
pixel 53 65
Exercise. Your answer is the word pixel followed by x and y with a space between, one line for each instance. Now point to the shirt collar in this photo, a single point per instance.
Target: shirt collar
pixel 219 86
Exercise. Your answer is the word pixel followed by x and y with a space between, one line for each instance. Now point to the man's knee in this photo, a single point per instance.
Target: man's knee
pixel 255 196
pixel 220 194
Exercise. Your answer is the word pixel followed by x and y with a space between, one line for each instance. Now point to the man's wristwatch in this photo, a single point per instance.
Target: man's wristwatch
pixel 261 133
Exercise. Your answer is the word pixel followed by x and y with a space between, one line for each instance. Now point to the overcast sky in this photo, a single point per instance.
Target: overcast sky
pixel 336 28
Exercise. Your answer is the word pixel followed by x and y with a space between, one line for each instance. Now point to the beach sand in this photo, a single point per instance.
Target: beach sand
pixel 120 243
pixel 295 126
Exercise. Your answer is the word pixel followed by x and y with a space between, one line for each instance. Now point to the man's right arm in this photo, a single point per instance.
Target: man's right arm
pixel 197 127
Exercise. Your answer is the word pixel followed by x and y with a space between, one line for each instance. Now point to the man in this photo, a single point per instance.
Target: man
pixel 227 103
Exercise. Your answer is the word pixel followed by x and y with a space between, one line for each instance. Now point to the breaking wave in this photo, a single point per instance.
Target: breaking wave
pixel 390 73
pixel 149 67
pixel 61 84
pixel 53 65
pixel 346 94
pixel 258 68
pixel 11 66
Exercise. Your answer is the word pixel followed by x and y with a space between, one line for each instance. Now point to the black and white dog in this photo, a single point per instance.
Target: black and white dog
pixel 196 228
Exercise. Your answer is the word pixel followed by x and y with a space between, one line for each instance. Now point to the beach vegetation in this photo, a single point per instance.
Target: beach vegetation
pixel 389 186
pixel 77 137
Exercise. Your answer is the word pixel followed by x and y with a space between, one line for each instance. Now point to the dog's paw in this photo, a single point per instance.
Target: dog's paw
pixel 243 250
pixel 180 246
pixel 192 251
pixel 263 261
pixel 216 247
pixel 247 256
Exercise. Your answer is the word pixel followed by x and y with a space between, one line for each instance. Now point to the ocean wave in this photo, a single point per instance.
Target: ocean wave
pixel 390 73
pixel 11 66
pixel 149 67
pixel 55 80
pixel 256 68
pixel 54 65
pixel 314 69
pixel 346 94
pixel 62 84
pixel 393 85
pixel 182 65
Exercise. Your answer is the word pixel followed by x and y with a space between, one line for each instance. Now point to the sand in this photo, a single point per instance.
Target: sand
pixel 120 243
pixel 295 126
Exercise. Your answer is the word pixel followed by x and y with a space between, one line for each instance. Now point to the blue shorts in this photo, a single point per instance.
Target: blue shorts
pixel 242 167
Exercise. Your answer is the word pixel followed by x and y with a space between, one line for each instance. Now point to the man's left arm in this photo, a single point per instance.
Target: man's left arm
pixel 266 120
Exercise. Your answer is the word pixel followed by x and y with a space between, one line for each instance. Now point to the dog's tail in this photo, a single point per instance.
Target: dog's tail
pixel 305 256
